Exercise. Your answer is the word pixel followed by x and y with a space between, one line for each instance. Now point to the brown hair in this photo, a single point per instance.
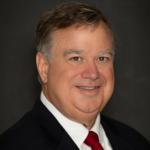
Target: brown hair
pixel 63 16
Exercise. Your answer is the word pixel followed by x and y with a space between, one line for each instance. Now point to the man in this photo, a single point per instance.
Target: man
pixel 75 46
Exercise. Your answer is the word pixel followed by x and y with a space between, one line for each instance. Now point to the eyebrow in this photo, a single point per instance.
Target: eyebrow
pixel 71 51
pixel 107 52
pixel 76 51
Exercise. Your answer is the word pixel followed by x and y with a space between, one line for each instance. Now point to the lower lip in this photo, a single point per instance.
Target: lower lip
pixel 95 90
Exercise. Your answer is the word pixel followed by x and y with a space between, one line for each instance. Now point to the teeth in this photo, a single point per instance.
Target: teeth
pixel 87 88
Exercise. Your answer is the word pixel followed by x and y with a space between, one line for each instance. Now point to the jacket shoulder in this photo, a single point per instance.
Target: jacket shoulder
pixel 124 131
pixel 25 134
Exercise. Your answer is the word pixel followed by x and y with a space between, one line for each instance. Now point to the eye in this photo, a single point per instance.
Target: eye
pixel 76 58
pixel 102 58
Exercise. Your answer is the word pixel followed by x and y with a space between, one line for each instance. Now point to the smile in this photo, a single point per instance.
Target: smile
pixel 88 88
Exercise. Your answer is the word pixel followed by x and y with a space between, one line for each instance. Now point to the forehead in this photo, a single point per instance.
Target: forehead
pixel 84 38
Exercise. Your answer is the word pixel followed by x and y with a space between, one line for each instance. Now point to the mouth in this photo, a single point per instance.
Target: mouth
pixel 89 89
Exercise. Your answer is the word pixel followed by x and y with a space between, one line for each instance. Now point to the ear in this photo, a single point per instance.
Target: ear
pixel 42 66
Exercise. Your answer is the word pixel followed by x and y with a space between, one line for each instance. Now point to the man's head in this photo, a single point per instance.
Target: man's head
pixel 75 60
pixel 62 17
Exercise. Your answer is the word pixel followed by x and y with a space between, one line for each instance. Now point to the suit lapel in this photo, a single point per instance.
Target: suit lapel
pixel 116 142
pixel 53 133
pixel 67 143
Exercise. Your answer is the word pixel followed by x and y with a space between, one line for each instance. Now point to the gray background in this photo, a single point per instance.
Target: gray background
pixel 19 87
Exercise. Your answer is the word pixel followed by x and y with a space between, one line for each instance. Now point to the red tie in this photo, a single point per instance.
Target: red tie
pixel 92 141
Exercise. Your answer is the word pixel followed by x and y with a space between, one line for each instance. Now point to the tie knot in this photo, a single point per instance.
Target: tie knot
pixel 91 139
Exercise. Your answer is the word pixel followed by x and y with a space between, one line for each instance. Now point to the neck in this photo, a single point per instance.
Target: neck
pixel 90 124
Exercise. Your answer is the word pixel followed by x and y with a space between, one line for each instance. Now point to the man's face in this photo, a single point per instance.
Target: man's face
pixel 80 76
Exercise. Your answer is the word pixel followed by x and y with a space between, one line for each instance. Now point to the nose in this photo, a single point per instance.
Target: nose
pixel 90 71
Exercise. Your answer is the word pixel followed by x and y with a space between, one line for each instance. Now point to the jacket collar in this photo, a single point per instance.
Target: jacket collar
pixel 52 131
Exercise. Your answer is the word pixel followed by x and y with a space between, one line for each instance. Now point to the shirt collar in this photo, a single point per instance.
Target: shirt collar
pixel 76 131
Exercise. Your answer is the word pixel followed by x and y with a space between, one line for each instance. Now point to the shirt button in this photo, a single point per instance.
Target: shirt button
pixel 102 144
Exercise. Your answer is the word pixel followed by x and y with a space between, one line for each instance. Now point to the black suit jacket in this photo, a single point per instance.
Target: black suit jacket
pixel 39 130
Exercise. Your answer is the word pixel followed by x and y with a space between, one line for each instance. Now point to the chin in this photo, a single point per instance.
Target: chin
pixel 89 109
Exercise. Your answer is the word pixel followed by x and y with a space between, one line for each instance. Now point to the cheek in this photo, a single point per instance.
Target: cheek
pixel 111 75
pixel 108 73
pixel 109 78
pixel 70 74
pixel 63 76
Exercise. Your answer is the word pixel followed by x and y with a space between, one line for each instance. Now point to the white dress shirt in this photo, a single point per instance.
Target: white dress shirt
pixel 77 131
